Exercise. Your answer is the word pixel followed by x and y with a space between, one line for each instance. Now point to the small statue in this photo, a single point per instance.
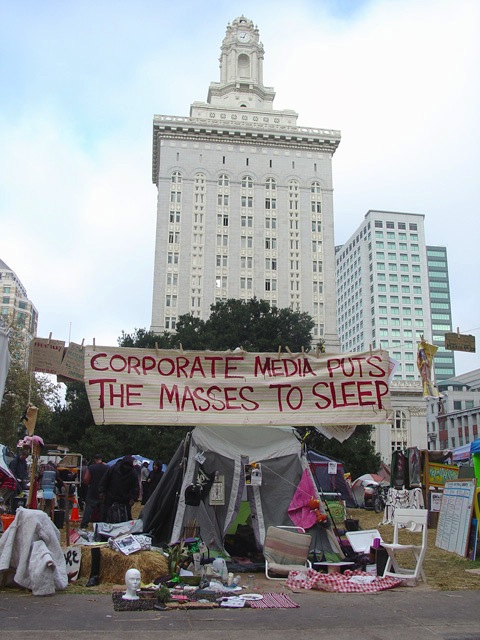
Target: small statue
pixel 132 581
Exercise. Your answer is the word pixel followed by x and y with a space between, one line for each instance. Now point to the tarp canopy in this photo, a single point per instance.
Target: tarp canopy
pixel 210 388
pixel 461 454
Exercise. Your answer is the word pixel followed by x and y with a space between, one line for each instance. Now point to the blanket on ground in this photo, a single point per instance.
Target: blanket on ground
pixel 348 582
pixel 31 546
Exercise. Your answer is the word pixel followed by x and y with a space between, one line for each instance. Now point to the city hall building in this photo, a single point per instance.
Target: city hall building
pixel 245 200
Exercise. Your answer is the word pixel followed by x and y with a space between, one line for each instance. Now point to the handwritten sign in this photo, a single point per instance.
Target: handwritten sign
pixel 73 559
pixel 72 365
pixel 459 342
pixel 47 355
pixel 160 387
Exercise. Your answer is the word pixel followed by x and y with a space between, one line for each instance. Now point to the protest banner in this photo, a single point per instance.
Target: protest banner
pixel 167 387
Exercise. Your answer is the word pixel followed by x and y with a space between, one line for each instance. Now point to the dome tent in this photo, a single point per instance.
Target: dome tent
pixel 328 482
pixel 227 452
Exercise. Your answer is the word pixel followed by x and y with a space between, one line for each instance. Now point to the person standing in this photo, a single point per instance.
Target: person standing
pixel 144 473
pixel 119 485
pixel 18 466
pixel 154 478
pixel 91 479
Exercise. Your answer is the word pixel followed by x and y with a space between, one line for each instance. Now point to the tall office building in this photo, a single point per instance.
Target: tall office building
pixel 441 311
pixel 16 309
pixel 391 290
pixel 383 298
pixel 245 202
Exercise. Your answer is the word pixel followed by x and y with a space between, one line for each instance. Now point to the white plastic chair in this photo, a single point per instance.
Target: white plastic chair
pixel 414 520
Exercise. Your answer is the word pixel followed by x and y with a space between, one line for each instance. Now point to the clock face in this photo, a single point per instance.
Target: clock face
pixel 243 36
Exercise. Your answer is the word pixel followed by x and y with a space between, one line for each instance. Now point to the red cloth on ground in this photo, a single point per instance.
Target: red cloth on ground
pixel 340 582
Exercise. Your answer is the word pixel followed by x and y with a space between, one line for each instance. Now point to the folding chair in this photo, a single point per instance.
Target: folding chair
pixel 416 521
pixel 284 551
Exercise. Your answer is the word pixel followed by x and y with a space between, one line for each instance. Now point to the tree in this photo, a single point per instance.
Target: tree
pixel 252 324
pixel 145 339
pixel 23 387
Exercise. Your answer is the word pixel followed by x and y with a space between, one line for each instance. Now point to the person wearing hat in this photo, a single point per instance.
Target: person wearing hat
pixel 91 479
pixel 119 490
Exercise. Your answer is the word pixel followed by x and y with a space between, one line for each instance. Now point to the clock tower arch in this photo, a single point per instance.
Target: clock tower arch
pixel 241 70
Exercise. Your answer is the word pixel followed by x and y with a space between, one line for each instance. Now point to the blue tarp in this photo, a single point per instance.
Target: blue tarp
pixel 475 446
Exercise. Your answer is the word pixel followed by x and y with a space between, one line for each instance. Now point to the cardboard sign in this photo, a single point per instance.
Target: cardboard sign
pixel 72 365
pixel 459 342
pixel 47 355
pixel 73 559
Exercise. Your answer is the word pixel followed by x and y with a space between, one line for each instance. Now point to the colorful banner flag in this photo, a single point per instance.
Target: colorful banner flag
pixel 425 355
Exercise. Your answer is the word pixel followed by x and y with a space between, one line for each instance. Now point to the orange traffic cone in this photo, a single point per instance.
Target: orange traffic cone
pixel 74 515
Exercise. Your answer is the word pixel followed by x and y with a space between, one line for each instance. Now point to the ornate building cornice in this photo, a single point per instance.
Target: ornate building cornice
pixel 240 127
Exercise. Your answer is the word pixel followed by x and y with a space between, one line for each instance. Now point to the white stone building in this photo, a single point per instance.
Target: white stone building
pixel 453 419
pixel 245 202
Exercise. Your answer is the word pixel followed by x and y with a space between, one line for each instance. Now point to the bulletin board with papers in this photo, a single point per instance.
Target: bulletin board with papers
pixel 455 517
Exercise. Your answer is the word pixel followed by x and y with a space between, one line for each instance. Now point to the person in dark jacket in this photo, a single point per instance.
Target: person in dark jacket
pixel 154 478
pixel 18 466
pixel 119 484
pixel 91 479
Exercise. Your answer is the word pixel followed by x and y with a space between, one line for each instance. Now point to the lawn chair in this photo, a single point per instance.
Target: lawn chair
pixel 416 521
pixel 285 550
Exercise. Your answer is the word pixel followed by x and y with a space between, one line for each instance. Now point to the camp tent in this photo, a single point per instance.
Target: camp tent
pixel 138 458
pixel 174 511
pixel 329 477
pixel 461 454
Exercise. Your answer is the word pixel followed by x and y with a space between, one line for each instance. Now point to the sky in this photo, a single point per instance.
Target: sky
pixel 80 84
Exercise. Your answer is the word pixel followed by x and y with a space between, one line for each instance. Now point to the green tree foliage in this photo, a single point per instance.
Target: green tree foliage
pixel 72 425
pixel 22 388
pixel 252 324
pixel 357 452
pixel 145 339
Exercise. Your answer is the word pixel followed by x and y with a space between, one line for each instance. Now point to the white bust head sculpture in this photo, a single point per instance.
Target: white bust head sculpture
pixel 132 581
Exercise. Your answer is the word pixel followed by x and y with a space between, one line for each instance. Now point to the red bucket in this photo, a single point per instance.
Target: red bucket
pixel 7 520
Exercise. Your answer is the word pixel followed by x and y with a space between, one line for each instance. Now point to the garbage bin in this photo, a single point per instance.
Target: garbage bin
pixel 59 518
pixel 381 557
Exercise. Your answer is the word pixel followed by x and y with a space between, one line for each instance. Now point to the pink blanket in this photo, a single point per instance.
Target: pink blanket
pixel 301 514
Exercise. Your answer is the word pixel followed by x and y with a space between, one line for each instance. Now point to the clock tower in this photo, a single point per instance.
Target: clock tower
pixel 241 70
